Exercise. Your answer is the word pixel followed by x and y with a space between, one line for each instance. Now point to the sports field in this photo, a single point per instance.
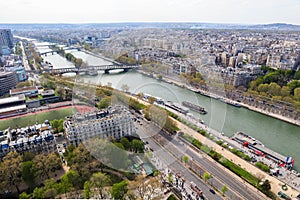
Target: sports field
pixel 31 119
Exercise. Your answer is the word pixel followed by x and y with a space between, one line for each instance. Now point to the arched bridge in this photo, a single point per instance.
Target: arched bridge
pixel 105 68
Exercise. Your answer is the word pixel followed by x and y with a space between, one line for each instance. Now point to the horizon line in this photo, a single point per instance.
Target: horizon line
pixel 149 22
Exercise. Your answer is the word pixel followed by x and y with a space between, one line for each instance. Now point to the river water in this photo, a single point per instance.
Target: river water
pixel 277 135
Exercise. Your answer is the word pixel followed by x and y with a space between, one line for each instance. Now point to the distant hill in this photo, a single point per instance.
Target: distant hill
pixel 277 26
pixel 183 25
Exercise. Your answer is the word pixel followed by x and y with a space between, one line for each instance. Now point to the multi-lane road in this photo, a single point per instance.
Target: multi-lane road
pixel 170 150
pixel 168 161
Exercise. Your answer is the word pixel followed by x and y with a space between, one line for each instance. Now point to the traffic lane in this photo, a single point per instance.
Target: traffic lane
pixel 213 168
pixel 220 173
pixel 217 183
pixel 176 166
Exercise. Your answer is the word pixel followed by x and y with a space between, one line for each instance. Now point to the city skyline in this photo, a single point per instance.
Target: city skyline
pixel 89 11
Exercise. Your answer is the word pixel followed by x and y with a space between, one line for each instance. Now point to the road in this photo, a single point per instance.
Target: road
pixel 24 57
pixel 171 150
pixel 167 160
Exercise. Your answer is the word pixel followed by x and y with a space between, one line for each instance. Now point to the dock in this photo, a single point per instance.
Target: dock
pixel 258 147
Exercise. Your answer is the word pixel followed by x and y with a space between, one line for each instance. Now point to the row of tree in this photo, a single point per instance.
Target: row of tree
pixel 161 118
pixel 133 145
pixel 77 61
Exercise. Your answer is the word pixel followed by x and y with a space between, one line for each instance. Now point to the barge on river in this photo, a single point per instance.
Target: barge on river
pixel 259 149
pixel 177 107
pixel 194 107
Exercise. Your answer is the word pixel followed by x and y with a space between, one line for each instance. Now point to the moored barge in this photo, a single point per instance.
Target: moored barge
pixel 194 107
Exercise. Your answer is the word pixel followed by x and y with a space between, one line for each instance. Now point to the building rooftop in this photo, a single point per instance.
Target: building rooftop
pixel 13 108
pixel 20 97
pixel 23 89
pixel 4 73
pixel 26 136
pixel 47 92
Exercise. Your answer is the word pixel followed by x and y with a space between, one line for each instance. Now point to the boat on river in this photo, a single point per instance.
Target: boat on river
pixel 194 107
pixel 177 107
pixel 259 149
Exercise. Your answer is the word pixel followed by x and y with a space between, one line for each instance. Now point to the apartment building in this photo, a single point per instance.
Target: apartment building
pixel 115 121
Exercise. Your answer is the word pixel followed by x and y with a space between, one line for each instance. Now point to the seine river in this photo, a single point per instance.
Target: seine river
pixel 274 134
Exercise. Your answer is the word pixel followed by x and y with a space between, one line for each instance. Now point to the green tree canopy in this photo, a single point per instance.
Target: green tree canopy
pixel 119 190
pixel 99 181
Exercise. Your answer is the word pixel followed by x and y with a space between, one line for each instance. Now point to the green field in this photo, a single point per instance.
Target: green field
pixel 32 119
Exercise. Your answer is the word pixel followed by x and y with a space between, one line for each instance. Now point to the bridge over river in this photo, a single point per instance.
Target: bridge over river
pixel 105 68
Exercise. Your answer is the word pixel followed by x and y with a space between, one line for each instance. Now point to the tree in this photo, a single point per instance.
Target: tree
pixel 125 142
pixel 80 160
pixel 11 170
pixel 206 176
pixel 87 190
pixel 69 180
pixel 137 145
pixel 24 195
pixel 151 99
pixel 292 85
pixel 170 178
pixel 24 84
pixel 49 190
pixel 140 95
pixel 297 94
pixel 266 186
pixel 78 62
pixel 144 187
pixel 99 181
pixel 263 88
pixel 119 190
pixel 44 164
pixel 224 189
pixel 28 156
pixel 159 76
pixel 285 91
pixel 185 159
pixel 54 125
pixel 104 103
pixel 274 89
pixel 38 193
pixel 28 174
pixel 297 75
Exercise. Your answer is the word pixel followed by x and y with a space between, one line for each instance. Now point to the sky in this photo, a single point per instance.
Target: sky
pixel 101 11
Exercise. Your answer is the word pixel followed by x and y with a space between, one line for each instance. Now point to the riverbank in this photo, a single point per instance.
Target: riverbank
pixel 226 100
pixel 276 184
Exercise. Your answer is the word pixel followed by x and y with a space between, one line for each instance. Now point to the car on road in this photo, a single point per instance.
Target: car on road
pixel 283 195
pixel 212 191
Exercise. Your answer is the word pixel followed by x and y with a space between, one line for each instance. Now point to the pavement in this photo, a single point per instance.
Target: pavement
pixel 276 185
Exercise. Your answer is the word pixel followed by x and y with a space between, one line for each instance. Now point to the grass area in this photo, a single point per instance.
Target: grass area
pixel 188 138
pixel 253 180
pixel 32 119
pixel 263 166
pixel 247 176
